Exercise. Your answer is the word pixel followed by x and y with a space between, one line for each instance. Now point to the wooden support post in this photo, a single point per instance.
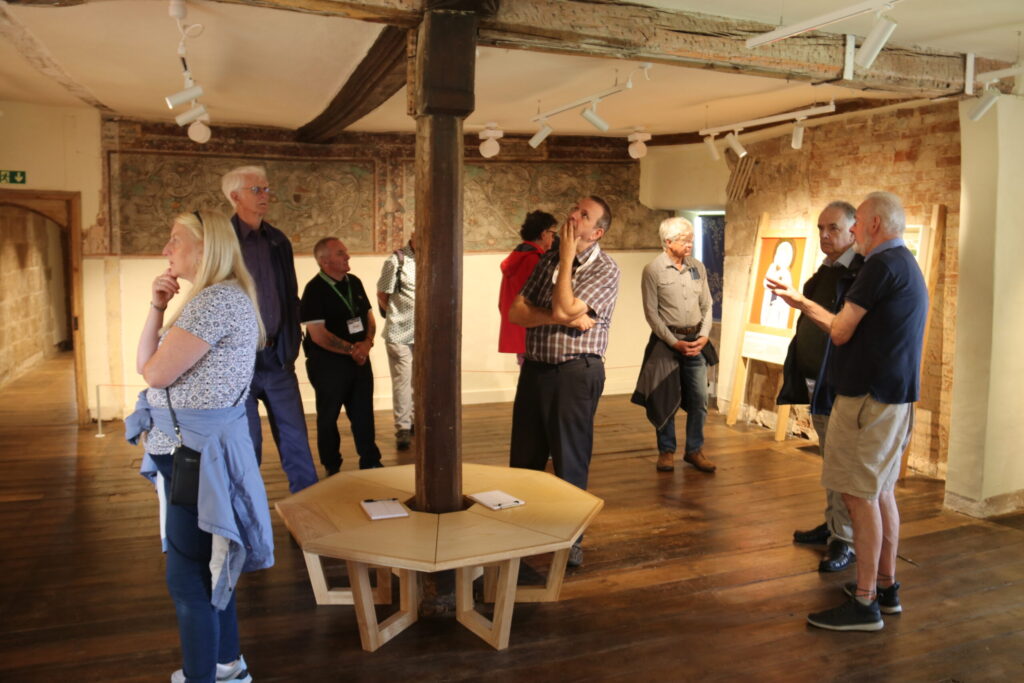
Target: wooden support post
pixel 445 66
pixel 443 80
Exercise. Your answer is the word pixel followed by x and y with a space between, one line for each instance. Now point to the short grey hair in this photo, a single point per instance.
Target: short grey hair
pixel 671 228
pixel 233 180
pixel 846 208
pixel 321 247
pixel 889 209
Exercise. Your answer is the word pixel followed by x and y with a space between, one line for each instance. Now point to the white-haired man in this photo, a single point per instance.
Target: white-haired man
pixel 268 256
pixel 874 368
pixel 677 305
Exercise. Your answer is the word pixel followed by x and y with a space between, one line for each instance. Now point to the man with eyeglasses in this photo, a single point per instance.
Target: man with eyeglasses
pixel 268 256
pixel 566 307
pixel 674 374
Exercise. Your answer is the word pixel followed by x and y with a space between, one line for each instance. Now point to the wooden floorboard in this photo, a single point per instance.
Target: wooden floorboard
pixel 686 576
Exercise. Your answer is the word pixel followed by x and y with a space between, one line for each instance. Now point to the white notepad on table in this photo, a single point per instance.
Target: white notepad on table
pixel 497 500
pixel 383 508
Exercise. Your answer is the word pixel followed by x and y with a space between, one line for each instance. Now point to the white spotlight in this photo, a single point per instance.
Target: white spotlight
pixel 590 114
pixel 490 147
pixel 734 143
pixel 186 95
pixel 199 132
pixel 985 102
pixel 637 149
pixel 540 136
pixel 798 136
pixel 712 147
pixel 874 43
pixel 191 115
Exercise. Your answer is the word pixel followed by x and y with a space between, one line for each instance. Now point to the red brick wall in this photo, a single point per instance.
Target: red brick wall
pixel 914 153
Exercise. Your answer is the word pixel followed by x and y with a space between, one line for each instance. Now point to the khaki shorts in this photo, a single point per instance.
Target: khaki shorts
pixel 866 440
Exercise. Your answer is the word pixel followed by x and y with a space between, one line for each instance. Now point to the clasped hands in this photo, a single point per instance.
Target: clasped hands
pixel 690 348
pixel 361 352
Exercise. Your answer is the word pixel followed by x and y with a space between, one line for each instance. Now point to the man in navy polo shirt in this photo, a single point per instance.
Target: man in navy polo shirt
pixel 875 370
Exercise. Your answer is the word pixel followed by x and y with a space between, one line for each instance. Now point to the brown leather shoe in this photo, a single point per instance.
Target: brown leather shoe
pixel 665 462
pixel 697 459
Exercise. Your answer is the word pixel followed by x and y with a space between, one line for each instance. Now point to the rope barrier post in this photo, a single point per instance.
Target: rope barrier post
pixel 99 415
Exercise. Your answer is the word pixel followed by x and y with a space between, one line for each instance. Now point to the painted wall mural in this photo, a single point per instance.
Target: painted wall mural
pixel 360 202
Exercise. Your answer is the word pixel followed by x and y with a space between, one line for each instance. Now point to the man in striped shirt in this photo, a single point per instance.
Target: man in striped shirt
pixel 566 306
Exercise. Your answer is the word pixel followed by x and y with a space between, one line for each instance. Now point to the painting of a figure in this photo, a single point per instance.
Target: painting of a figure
pixel 780 259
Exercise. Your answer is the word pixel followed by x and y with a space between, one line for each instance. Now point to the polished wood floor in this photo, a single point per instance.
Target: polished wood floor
pixel 686 576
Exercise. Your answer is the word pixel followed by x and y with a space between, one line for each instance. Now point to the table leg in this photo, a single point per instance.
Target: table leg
pixel 325 594
pixel 374 634
pixel 552 586
pixel 495 632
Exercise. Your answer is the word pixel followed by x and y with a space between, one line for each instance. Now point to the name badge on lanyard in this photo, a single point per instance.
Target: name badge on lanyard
pixel 355 325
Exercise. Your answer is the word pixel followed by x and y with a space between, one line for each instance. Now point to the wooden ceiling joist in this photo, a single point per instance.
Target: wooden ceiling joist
pixel 380 74
pixel 610 28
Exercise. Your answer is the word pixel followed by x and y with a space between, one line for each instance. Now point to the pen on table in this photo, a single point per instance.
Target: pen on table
pixel 378 500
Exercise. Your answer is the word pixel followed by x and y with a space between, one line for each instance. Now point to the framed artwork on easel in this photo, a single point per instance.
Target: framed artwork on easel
pixel 782 252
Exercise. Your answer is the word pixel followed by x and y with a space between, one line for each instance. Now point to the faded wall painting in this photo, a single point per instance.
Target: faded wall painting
pixel 498 195
pixel 310 199
pixel 363 201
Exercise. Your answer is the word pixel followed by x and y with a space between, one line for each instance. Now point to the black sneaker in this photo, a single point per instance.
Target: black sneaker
pixel 850 616
pixel 888 598
pixel 403 438
pixel 817 536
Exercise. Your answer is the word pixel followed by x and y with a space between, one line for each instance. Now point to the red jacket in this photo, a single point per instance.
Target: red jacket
pixel 515 270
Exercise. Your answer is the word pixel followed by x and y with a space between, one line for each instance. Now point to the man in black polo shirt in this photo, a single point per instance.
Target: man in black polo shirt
pixel 339 334
pixel 874 368
pixel 803 372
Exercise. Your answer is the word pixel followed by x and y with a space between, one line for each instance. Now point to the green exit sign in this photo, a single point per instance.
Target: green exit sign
pixel 12 177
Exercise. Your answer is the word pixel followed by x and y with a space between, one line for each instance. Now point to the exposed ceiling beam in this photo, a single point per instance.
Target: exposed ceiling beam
pixel 609 28
pixel 36 54
pixel 380 74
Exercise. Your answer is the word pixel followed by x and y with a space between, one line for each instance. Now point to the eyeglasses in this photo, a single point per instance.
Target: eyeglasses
pixel 256 189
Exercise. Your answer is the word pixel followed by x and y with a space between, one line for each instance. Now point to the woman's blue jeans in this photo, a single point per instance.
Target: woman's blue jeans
pixel 693 378
pixel 208 636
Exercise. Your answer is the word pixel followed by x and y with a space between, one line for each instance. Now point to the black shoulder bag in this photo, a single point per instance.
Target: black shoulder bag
pixel 184 468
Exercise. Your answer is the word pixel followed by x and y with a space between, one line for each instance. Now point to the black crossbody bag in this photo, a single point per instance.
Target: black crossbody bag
pixel 184 468
pixel 185 463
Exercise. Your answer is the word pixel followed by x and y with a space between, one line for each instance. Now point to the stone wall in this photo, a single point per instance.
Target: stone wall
pixel 33 307
pixel 362 188
pixel 912 152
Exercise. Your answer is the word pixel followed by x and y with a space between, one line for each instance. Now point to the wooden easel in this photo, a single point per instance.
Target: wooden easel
pixel 758 342
pixel 929 248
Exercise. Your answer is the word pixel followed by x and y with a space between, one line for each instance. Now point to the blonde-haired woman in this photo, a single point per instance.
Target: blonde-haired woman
pixel 201 360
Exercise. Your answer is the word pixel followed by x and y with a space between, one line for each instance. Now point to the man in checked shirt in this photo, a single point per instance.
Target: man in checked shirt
pixel 566 306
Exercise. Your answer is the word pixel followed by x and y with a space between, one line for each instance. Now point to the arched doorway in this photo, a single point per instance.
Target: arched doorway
pixel 64 210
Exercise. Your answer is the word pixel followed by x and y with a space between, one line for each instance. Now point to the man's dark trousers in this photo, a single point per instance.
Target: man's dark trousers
pixel 343 383
pixel 553 415
pixel 278 388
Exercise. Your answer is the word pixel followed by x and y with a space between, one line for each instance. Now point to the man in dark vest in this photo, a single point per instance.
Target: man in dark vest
pixel 803 372
pixel 268 256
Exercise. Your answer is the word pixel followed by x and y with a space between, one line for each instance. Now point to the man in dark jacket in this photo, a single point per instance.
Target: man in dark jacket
pixel 268 256
pixel 803 379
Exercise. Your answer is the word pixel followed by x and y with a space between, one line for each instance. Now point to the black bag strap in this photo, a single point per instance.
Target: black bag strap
pixel 174 418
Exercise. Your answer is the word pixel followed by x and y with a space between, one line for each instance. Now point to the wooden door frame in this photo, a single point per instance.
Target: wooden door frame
pixel 68 215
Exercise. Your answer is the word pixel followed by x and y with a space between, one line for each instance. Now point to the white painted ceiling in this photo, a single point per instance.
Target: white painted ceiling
pixel 279 68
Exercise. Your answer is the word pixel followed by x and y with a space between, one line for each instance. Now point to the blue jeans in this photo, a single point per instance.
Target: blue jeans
pixel 207 636
pixel 278 388
pixel 693 377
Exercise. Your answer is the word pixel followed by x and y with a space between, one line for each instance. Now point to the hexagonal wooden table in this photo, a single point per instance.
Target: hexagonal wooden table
pixel 327 521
